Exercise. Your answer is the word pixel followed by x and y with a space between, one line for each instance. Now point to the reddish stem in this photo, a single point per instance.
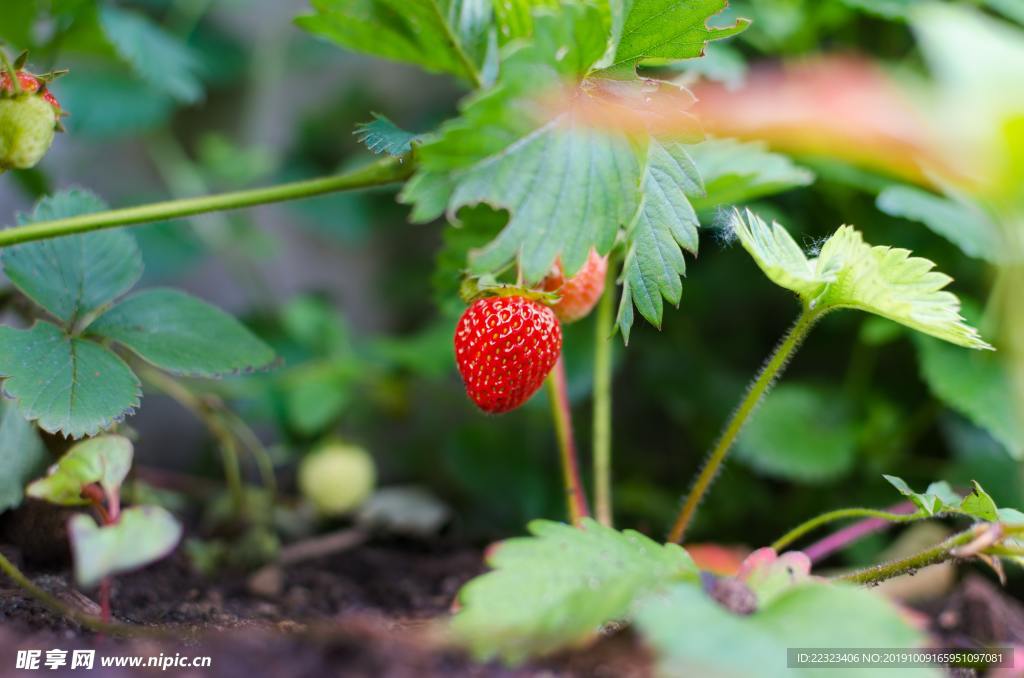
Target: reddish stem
pixel 559 392
pixel 840 539
pixel 109 515
pixel 105 600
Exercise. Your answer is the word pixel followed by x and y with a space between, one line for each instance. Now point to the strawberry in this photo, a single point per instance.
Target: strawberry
pixel 505 346
pixel 580 293
pixel 29 119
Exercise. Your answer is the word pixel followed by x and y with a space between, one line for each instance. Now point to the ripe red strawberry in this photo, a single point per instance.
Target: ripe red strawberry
pixel 505 347
pixel 580 293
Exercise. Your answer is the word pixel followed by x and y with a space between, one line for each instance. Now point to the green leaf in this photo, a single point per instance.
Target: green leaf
pixel 670 29
pixel 142 535
pixel 941 499
pixel 383 136
pixel 849 273
pixel 22 455
pixel 938 498
pixel 514 18
pixel 447 36
pixel 887 9
pixel 978 386
pixel 695 636
pixel 558 587
pixel 68 385
pixel 1012 9
pixel 181 334
pixel 665 224
pixel 736 172
pixel 104 460
pixel 961 223
pixel 158 57
pixel 802 433
pixel 74 276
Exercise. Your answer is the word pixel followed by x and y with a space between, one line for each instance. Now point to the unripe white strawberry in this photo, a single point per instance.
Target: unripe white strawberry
pixel 336 478
pixel 28 124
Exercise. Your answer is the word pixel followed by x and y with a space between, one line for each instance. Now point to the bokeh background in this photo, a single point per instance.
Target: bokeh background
pixel 345 288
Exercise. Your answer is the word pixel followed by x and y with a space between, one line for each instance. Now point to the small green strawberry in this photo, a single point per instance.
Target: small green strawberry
pixel 29 118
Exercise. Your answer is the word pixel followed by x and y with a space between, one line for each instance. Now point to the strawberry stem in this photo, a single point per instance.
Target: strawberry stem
pixel 901 513
pixel 388 171
pixel 602 426
pixel 559 394
pixel 758 390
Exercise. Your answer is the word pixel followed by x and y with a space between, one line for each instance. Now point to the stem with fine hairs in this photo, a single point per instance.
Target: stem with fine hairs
pixel 558 392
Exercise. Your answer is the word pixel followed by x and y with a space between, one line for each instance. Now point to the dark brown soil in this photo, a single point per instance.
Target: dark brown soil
pixel 373 610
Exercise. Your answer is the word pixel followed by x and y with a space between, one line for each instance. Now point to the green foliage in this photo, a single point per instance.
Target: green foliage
pixel 668 29
pixel 559 586
pixel 167 64
pixel 941 499
pixel 65 384
pixel 963 224
pixel 182 335
pixel 694 635
pixel 142 535
pixel 383 136
pixel 736 172
pixel 104 460
pixel 978 386
pixel 664 224
pixel 22 455
pixel 110 104
pixel 73 277
pixel 849 273
pixel 63 377
pixel 801 432
pixel 446 36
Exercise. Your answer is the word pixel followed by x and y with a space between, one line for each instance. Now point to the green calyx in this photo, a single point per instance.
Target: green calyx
pixel 474 288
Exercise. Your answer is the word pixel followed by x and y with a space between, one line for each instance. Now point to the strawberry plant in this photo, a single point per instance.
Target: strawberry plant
pixel 591 145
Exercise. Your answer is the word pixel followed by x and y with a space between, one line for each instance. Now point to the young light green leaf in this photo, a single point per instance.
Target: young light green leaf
pixel 447 36
pixel 159 58
pixel 961 223
pixel 669 29
pixel 977 385
pixel 181 334
pixel 940 498
pixel 558 587
pixel 67 384
pixel 801 433
pixel 849 273
pixel 778 255
pixel 694 635
pixel 736 172
pixel 74 276
pixel 22 455
pixel 380 135
pixel 143 535
pixel 515 17
pixel 664 225
pixel 104 460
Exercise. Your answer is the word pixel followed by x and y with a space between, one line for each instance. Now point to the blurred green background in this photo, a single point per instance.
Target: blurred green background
pixel 184 97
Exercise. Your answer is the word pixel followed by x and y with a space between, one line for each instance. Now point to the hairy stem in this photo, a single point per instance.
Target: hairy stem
pixel 840 539
pixel 383 172
pixel 936 554
pixel 558 392
pixel 758 389
pixel 602 424
pixel 840 514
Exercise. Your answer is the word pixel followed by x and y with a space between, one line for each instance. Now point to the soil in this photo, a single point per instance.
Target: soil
pixel 372 610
